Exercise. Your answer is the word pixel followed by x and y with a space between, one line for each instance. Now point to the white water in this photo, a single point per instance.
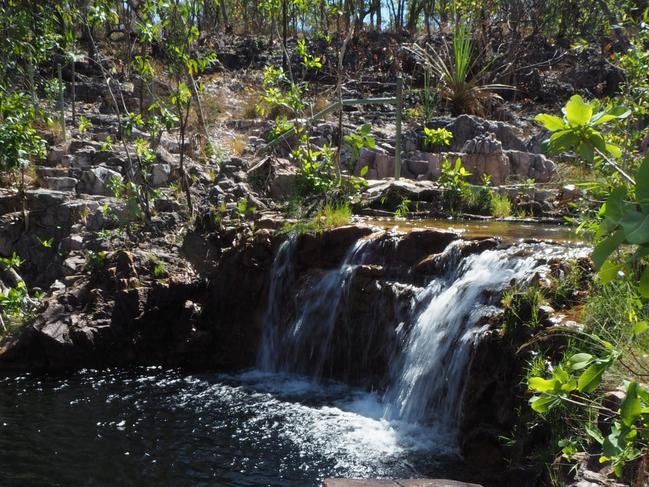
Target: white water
pixel 303 345
pixel 427 377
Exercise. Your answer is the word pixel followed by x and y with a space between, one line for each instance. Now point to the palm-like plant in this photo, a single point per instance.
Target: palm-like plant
pixel 459 77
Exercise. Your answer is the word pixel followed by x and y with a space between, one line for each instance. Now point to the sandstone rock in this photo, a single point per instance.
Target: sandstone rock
pixel 389 194
pixel 160 175
pixel 59 183
pixel 83 158
pixel 526 165
pixel 56 153
pixel 96 181
pixel 467 127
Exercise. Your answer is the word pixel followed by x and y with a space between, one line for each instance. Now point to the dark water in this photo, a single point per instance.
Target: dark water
pixel 153 427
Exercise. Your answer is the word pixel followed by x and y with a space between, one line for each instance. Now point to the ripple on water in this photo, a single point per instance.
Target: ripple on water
pixel 157 427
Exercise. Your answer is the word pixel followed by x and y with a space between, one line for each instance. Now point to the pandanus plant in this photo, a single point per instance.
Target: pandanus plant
pixel 458 74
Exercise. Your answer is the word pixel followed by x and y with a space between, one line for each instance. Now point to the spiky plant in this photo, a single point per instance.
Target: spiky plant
pixel 459 77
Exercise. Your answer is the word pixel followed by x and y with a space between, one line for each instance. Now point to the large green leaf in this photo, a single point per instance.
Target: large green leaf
pixel 540 384
pixel 642 181
pixel 631 406
pixel 562 140
pixel 635 223
pixel 578 112
pixel 550 122
pixel 614 207
pixel 609 271
pixel 591 378
pixel 543 403
pixel 606 247
pixel 580 361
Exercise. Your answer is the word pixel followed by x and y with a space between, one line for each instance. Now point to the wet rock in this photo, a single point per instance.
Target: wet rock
pixel 413 246
pixel 327 249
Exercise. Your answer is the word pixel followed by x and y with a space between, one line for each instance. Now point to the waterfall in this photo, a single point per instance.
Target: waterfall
pixel 434 343
pixel 302 345
pixel 427 379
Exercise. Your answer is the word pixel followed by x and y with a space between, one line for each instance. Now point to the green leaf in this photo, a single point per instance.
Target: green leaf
pixel 594 433
pixel 363 171
pixel 586 151
pixel 614 150
pixel 550 122
pixel 580 361
pixel 578 112
pixel 639 328
pixel 631 406
pixel 609 271
pixel 542 404
pixel 562 141
pixel 601 118
pixel 590 379
pixel 636 226
pixel 540 384
pixel 642 180
pixel 606 247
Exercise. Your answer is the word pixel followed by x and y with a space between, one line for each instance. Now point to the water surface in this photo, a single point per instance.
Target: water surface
pixel 155 427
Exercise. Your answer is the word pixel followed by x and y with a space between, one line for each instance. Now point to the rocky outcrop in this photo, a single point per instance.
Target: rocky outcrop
pixel 484 147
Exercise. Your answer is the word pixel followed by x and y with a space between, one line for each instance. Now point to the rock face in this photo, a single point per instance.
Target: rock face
pixel 97 181
pixel 484 147
pixel 467 127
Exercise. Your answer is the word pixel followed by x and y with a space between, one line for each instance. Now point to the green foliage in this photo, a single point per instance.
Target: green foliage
pixel 625 222
pixel 437 137
pixel 327 217
pixel 84 124
pixel 279 92
pixel 403 210
pixel 12 262
pixel 128 192
pixel 500 205
pixel 281 126
pixel 458 74
pixel 578 129
pixel 357 141
pixel 309 61
pixel 159 270
pixel 453 181
pixel 19 140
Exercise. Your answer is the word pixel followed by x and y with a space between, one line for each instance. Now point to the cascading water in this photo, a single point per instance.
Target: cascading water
pixel 427 375
pixel 303 344
pixel 427 379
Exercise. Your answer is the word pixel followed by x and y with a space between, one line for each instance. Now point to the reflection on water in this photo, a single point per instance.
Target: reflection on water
pixel 507 230
pixel 160 427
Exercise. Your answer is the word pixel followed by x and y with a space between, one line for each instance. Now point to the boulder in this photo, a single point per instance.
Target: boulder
pixel 59 183
pixel 160 175
pixel 467 127
pixel 96 181
pixel 526 165
pixel 56 153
